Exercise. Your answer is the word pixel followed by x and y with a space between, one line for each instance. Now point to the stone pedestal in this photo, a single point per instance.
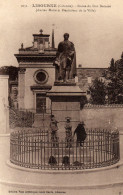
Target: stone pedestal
pixel 65 102
pixel 4 109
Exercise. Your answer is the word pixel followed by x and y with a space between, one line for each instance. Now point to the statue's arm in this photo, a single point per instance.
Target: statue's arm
pixel 60 47
pixel 58 51
pixel 72 50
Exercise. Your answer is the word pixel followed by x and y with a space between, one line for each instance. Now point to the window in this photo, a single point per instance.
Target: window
pixel 102 79
pixel 41 76
pixel 89 80
pixel 40 103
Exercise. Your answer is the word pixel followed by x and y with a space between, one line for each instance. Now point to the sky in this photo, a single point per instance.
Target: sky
pixel 97 37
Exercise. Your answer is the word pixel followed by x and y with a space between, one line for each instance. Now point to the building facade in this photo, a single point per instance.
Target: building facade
pixel 37 74
pixel 86 76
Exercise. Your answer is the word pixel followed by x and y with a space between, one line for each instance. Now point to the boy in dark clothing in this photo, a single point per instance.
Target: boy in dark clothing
pixel 80 133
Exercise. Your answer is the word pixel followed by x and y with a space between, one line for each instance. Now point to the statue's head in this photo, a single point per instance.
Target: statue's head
pixel 66 36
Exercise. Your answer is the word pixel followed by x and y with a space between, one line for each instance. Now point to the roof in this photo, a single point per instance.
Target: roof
pixel 92 68
pixel 41 35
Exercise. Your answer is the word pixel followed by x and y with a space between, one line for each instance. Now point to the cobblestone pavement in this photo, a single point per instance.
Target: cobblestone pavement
pixel 15 181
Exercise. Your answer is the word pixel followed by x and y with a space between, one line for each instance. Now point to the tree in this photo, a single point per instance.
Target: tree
pixel 12 71
pixel 114 77
pixel 97 92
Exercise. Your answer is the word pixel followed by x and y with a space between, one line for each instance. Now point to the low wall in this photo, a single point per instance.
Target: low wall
pixel 110 116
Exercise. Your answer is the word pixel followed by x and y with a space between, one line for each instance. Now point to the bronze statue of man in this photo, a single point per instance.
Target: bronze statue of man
pixel 66 60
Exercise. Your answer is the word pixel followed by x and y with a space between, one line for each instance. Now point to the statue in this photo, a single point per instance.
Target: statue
pixel 21 45
pixel 66 60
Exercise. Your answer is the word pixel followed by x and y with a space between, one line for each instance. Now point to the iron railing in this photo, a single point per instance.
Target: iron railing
pixel 37 150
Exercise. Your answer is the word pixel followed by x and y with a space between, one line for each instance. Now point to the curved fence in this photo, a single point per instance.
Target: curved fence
pixel 36 150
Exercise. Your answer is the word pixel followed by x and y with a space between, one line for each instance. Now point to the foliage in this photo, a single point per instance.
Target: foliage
pixel 97 92
pixel 12 71
pixel 19 118
pixel 83 101
pixel 52 160
pixel 114 76
pixel 66 160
